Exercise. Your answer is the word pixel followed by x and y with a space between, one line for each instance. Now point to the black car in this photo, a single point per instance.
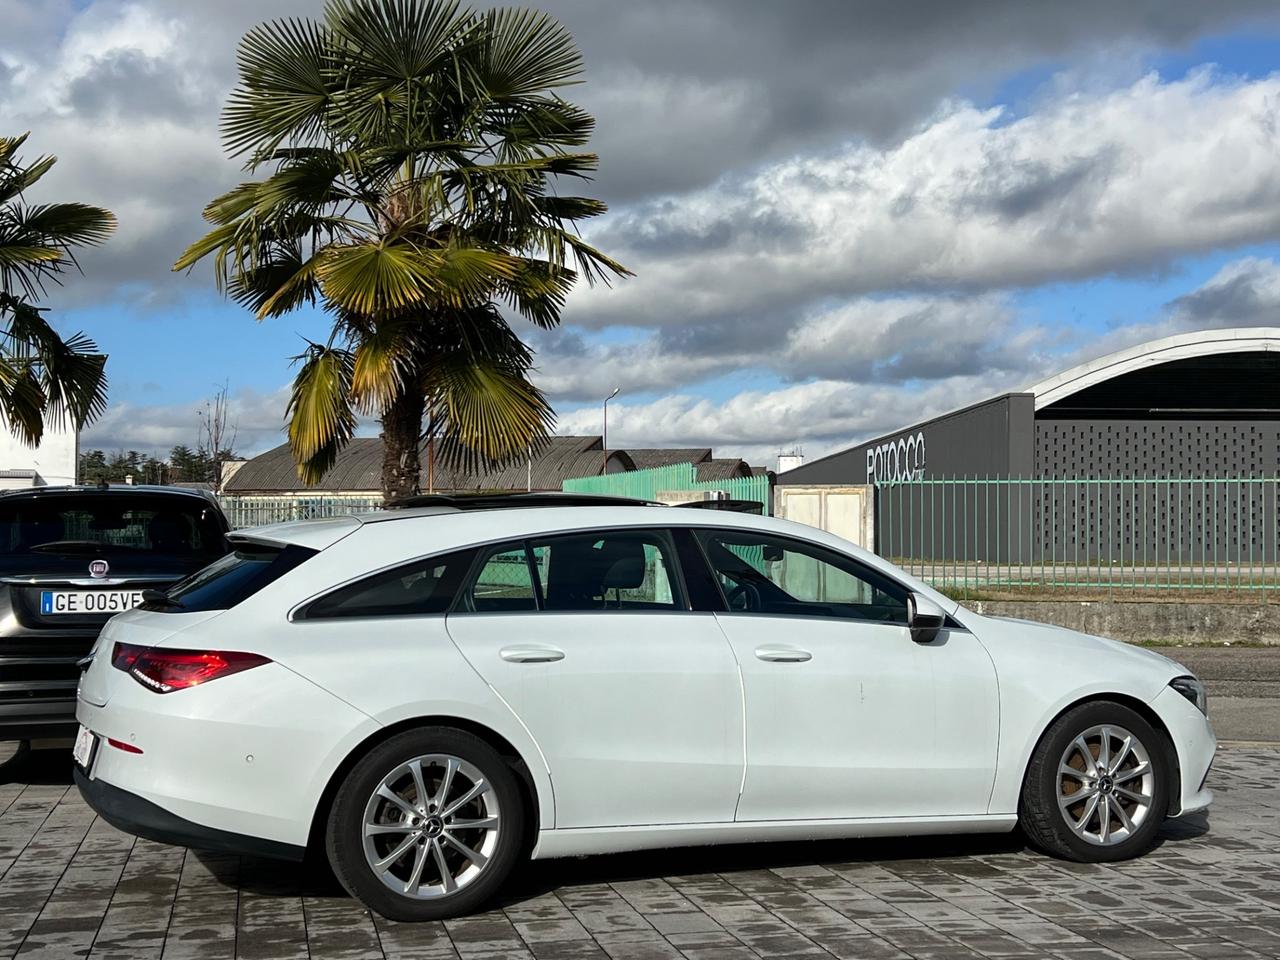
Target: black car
pixel 71 558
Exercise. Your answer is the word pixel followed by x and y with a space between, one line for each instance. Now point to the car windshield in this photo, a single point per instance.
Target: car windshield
pixel 107 525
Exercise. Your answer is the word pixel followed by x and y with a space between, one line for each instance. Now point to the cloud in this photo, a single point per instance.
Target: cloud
pixel 122 99
pixel 882 340
pixel 820 416
pixel 688 89
pixel 256 418
pixel 1243 293
pixel 1087 185
pixel 687 92
pixel 882 364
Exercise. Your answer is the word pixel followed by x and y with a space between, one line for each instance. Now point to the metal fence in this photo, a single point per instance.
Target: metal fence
pixel 991 535
pixel 257 511
pixel 647 484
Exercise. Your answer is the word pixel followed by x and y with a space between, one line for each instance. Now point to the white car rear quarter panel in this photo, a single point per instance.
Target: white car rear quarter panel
pixel 243 753
pixel 401 669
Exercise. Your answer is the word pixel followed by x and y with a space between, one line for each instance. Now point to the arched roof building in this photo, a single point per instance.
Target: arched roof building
pixel 1198 404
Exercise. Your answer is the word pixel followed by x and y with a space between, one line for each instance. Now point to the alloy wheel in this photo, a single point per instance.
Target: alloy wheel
pixel 1106 784
pixel 431 826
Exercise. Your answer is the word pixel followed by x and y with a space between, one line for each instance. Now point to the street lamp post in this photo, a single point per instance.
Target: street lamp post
pixel 604 437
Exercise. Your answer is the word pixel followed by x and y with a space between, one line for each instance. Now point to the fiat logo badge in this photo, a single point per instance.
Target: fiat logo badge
pixel 98 569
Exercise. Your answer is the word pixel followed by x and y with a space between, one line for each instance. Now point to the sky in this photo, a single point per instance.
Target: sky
pixel 843 215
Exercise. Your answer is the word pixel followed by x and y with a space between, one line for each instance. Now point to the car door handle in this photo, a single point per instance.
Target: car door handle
pixel 531 653
pixel 779 653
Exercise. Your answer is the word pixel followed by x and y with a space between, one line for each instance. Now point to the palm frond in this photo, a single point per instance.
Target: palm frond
pixel 9 148
pixel 285 86
pixel 372 278
pixel 66 224
pixel 381 361
pixel 320 417
pixel 14 179
pixel 70 371
pixel 527 51
pixel 538 291
pixel 490 409
pixel 22 402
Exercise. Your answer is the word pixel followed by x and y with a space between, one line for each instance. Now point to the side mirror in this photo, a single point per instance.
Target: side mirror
pixel 924 618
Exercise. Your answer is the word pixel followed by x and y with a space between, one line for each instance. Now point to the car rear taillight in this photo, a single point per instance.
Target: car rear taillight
pixel 163 671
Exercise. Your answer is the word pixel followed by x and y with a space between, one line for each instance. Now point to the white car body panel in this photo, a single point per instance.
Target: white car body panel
pixel 1043 670
pixel 429 679
pixel 632 708
pixel 641 721
pixel 580 843
pixel 873 725
pixel 231 759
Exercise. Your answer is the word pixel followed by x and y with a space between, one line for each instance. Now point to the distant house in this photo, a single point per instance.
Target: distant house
pixel 358 469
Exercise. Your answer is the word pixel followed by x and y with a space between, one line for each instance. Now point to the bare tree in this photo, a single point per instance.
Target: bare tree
pixel 217 440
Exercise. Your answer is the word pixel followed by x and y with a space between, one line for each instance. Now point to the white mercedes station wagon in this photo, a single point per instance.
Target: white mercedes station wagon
pixel 431 694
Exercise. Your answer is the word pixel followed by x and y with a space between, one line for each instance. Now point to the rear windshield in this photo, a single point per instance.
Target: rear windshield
pixel 231 579
pixel 103 525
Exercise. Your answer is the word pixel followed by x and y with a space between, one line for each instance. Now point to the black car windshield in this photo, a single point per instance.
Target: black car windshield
pixel 108 525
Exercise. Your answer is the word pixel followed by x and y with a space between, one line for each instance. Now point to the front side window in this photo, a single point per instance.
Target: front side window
pixel 415 589
pixel 761 573
pixel 610 570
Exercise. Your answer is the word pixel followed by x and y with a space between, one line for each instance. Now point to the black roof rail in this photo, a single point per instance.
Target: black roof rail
pixel 734 506
pixel 499 501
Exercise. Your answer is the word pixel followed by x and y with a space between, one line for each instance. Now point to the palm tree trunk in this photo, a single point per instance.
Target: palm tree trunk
pixel 401 459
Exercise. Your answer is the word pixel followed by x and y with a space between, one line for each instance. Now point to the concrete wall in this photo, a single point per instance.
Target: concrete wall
pixel 842 509
pixel 1147 621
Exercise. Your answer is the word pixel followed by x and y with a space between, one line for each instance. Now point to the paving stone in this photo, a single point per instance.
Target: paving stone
pixel 73 886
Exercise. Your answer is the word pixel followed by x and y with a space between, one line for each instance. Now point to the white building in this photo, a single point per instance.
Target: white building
pixel 51 463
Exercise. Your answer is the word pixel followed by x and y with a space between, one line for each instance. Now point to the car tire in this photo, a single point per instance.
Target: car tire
pixel 1118 764
pixel 402 856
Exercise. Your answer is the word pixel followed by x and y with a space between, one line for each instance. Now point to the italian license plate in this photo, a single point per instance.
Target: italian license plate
pixel 59 602
pixel 86 741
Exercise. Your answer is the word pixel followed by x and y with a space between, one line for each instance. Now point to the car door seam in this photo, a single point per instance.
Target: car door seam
pixel 510 709
pixel 742 699
pixel 995 766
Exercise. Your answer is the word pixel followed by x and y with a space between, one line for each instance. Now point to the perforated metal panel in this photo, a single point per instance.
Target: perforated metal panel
pixel 1157 448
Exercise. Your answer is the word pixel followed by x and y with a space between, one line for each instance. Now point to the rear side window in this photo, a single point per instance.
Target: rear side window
pixel 231 579
pixel 422 587
pixel 502 582
pixel 610 570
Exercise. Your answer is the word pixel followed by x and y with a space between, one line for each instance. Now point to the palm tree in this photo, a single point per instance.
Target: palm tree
pixel 411 149
pixel 43 377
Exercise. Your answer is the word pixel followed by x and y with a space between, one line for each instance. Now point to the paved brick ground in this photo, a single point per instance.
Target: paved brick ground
pixel 70 885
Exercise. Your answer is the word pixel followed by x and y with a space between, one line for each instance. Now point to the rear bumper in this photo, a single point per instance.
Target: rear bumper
pixel 134 814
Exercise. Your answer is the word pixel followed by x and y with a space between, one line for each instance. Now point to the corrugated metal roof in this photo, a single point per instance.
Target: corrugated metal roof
pixel 722 469
pixel 646 458
pixel 359 467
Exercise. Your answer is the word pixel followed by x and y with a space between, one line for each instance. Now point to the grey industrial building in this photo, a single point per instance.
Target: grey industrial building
pixel 1203 404
pixel 1197 405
